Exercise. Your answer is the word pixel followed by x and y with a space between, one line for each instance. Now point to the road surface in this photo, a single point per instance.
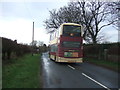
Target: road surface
pixel 85 75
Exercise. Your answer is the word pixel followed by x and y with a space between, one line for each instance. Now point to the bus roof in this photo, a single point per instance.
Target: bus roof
pixel 70 24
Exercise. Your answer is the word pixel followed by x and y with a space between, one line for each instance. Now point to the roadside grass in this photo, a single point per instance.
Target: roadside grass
pixel 107 64
pixel 24 72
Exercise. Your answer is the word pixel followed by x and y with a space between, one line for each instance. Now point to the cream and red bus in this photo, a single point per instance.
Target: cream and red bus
pixel 66 44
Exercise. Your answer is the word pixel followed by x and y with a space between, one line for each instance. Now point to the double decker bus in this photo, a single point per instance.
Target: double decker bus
pixel 66 44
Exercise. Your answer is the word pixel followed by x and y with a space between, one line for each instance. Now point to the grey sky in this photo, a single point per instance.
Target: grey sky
pixel 16 20
pixel 35 11
pixel 17 17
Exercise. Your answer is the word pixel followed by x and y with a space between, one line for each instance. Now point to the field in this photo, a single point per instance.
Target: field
pixel 24 72
pixel 107 64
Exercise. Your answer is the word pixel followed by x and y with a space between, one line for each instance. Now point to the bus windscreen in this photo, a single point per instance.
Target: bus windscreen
pixel 71 30
pixel 71 44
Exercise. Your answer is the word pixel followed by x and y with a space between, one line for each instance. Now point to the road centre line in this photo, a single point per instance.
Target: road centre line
pixel 95 81
pixel 71 67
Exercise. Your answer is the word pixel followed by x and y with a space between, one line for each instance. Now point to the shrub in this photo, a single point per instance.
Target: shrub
pixel 9 47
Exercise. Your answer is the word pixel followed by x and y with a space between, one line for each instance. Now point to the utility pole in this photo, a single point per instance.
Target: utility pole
pixel 33 40
pixel 118 22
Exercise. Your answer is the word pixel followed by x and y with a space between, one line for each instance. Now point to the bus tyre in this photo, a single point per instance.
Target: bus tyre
pixel 50 57
pixel 55 58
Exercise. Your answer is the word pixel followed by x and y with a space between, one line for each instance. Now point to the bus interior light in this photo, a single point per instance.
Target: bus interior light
pixel 71 34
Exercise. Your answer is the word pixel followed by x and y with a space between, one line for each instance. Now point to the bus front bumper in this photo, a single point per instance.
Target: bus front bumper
pixel 69 60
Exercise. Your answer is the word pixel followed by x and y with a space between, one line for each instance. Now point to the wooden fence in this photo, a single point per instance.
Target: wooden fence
pixel 108 52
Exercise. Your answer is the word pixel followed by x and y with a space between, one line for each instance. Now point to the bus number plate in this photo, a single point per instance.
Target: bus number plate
pixel 70 54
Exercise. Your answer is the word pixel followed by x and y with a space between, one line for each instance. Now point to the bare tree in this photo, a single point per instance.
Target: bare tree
pixel 90 14
pixel 51 23
pixel 98 14
pixel 70 13
pixel 65 14
pixel 114 8
pixel 40 43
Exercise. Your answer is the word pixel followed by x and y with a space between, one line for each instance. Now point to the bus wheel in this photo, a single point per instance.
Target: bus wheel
pixel 55 58
pixel 49 54
pixel 50 57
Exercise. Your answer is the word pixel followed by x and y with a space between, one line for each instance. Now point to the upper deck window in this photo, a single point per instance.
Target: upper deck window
pixel 72 30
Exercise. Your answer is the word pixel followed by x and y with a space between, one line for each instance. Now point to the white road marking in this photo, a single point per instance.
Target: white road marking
pixel 71 67
pixel 95 81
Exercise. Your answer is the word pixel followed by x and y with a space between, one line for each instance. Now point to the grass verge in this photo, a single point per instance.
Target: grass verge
pixel 107 64
pixel 24 72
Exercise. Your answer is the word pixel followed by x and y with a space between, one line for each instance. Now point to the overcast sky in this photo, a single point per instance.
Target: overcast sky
pixel 16 19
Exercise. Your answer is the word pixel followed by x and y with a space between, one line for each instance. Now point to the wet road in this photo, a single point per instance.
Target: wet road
pixel 62 75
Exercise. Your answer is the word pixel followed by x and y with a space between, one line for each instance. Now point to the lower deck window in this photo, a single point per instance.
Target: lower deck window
pixel 53 48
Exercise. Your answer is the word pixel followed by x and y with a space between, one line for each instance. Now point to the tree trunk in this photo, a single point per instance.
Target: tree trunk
pixel 8 55
pixel 3 55
pixel 94 40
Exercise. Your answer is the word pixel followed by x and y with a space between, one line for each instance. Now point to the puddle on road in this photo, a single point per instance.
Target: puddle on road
pixel 45 62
